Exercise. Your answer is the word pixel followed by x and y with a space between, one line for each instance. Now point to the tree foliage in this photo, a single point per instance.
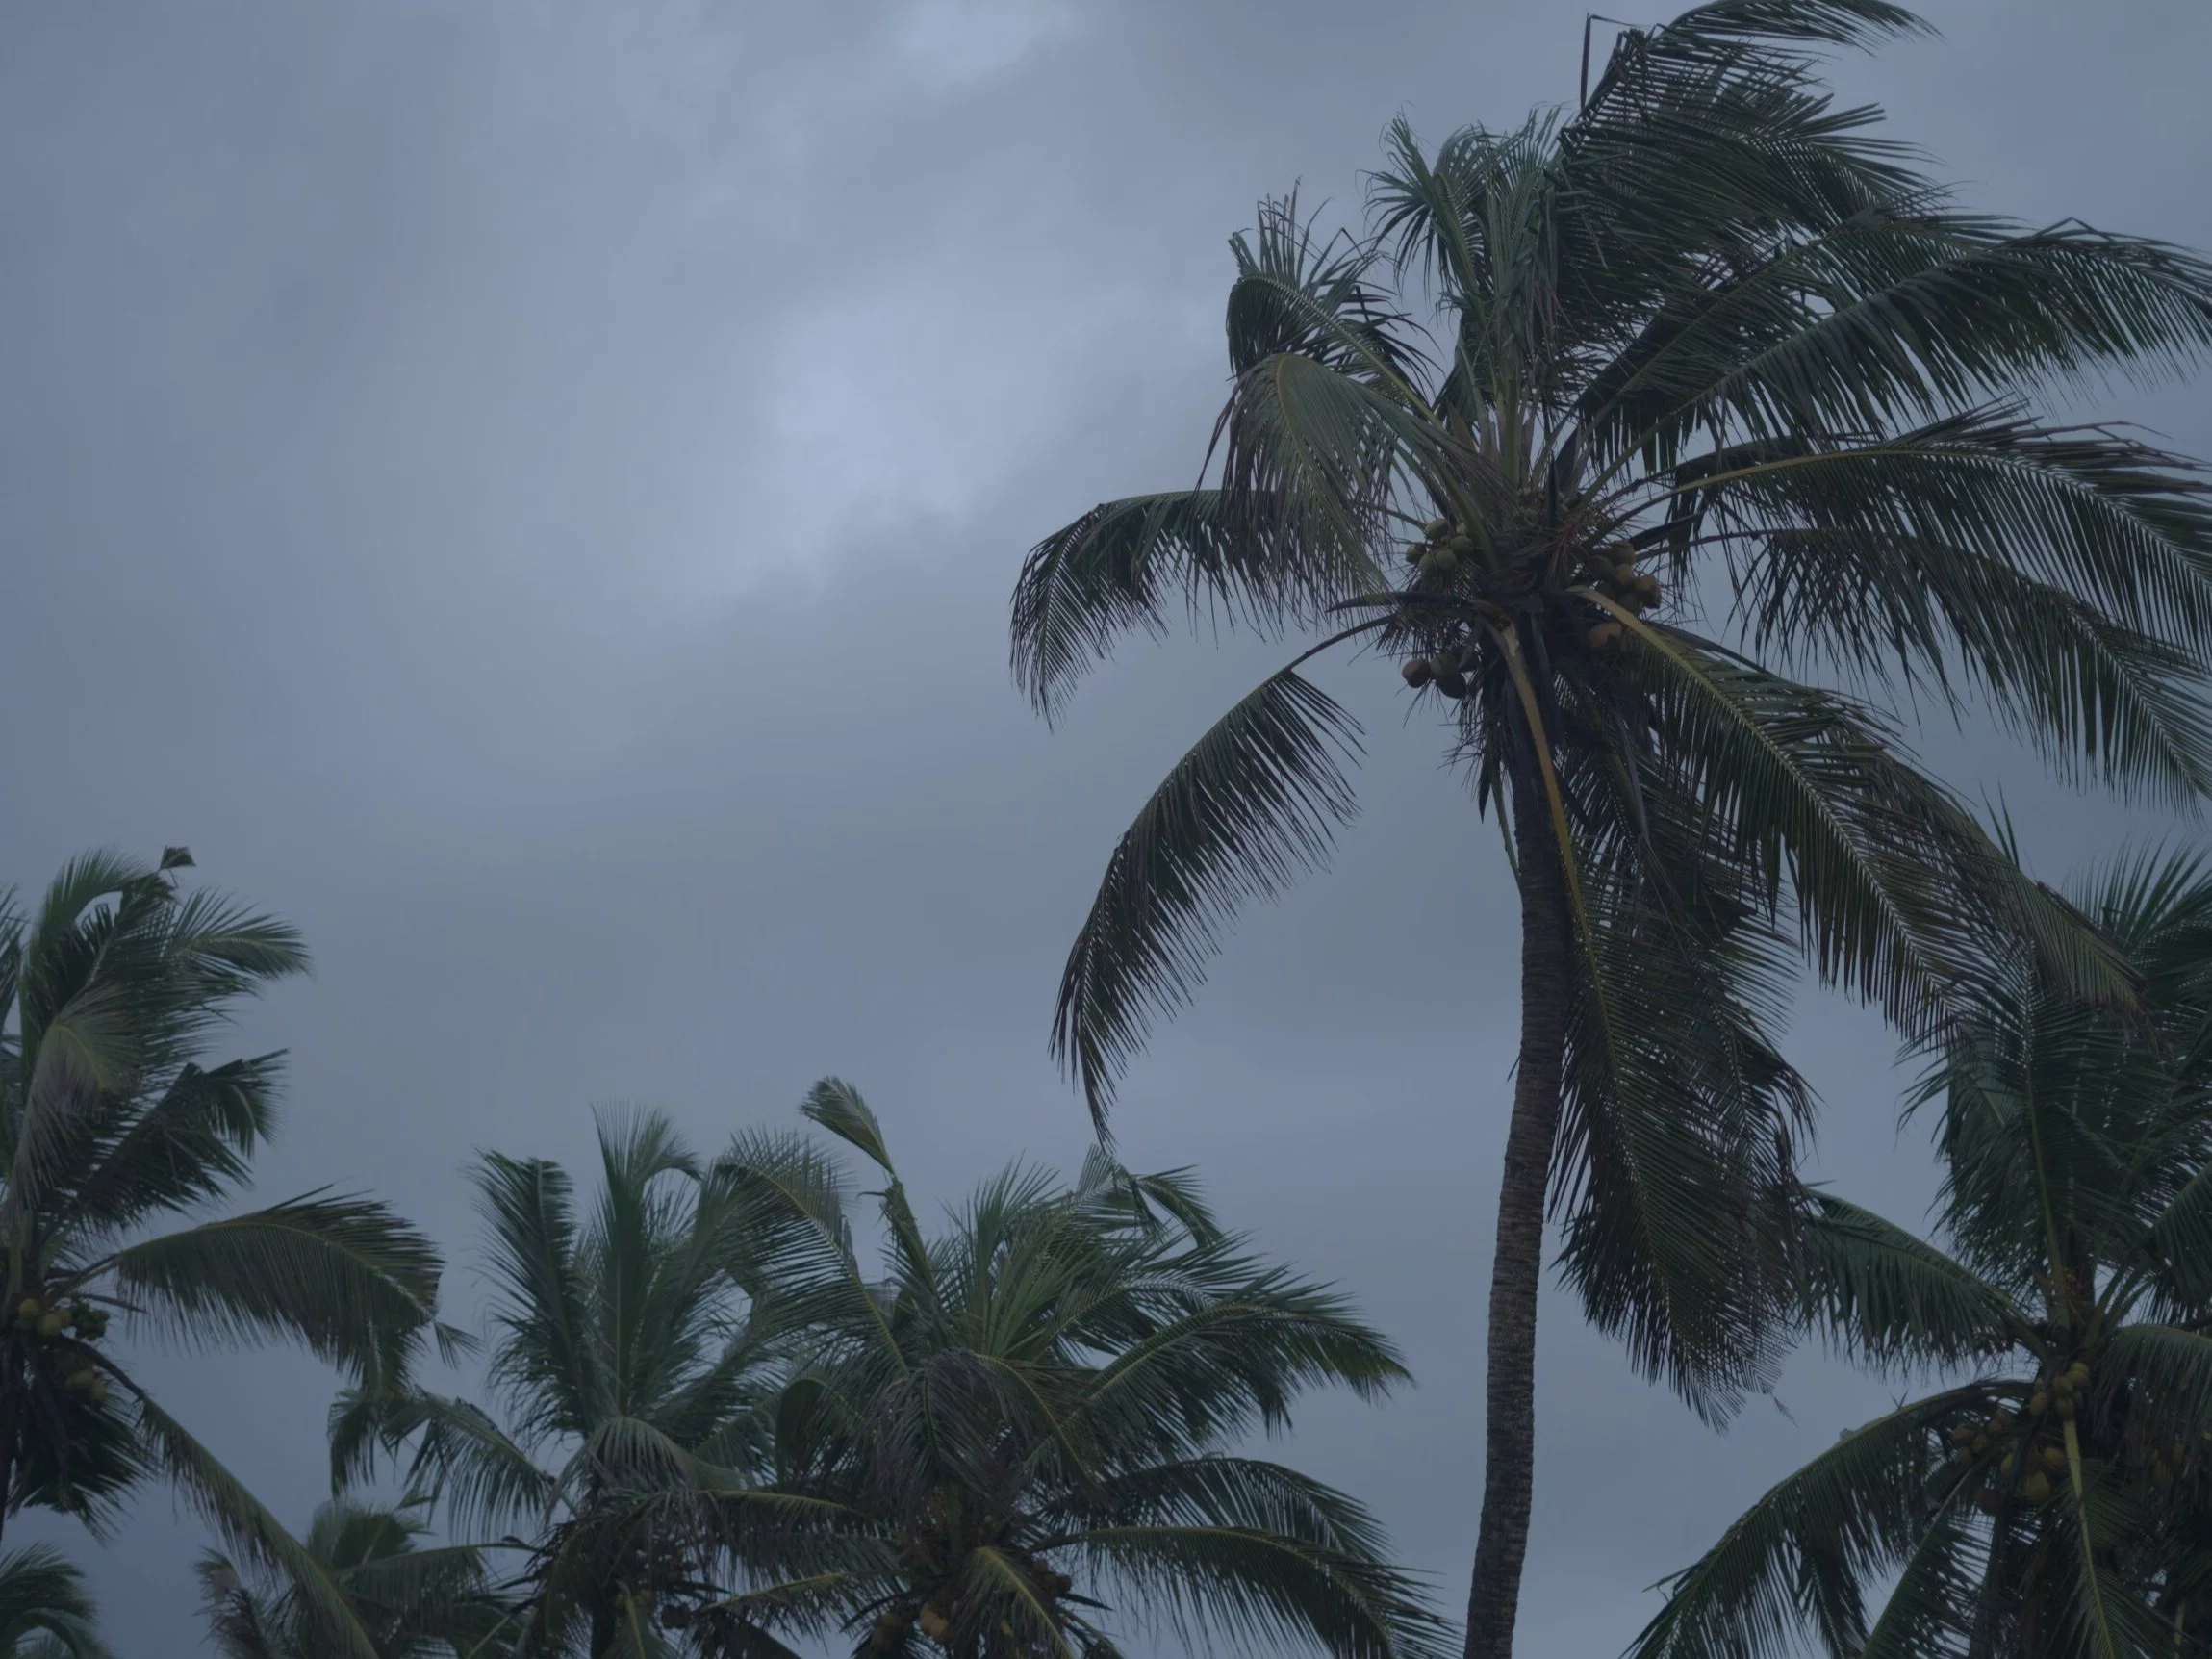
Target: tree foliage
pixel 1666 443
pixel 721 1434
pixel 2054 1499
pixel 114 1123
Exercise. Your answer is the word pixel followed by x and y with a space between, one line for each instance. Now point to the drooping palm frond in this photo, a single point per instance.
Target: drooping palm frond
pixel 1680 1116
pixel 251 1532
pixel 1254 799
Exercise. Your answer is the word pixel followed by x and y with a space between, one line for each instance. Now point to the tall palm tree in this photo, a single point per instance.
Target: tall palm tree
pixel 111 1125
pixel 1022 1436
pixel 45 1610
pixel 632 1383
pixel 1717 392
pixel 2053 1498
pixel 416 1602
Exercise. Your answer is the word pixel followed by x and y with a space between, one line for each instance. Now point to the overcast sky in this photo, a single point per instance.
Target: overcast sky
pixel 530 491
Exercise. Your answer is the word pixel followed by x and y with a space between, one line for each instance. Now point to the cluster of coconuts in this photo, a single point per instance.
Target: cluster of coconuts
pixel 36 1316
pixel 1613 572
pixel 2062 1392
pixel 2031 1463
pixel 2165 1463
pixel 1446 670
pixel 936 1616
pixel 1439 550
pixel 2033 1459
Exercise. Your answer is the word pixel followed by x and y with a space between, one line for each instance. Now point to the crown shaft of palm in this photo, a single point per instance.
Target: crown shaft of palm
pixel 1705 343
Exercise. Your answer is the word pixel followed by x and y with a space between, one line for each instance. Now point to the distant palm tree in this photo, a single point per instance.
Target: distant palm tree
pixel 1020 1438
pixel 1702 341
pixel 415 1603
pixel 110 1125
pixel 634 1390
pixel 45 1610
pixel 2054 1501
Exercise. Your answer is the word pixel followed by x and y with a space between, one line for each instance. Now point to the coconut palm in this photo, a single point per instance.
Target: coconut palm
pixel 111 1126
pixel 416 1602
pixel 2053 1498
pixel 45 1610
pixel 631 1385
pixel 1021 1438
pixel 1720 397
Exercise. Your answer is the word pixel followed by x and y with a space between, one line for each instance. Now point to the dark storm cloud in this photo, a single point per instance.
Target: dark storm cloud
pixel 530 491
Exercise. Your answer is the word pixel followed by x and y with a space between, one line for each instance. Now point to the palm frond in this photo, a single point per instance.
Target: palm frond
pixel 43 1599
pixel 250 1531
pixel 1252 803
pixel 345 1276
pixel 1894 1300
pixel 1793 1563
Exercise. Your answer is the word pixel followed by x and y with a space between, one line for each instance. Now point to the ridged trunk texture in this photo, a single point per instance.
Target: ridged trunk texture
pixel 1516 1269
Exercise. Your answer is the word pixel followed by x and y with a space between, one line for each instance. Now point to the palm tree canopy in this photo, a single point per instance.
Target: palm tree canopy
pixel 46 1612
pixel 114 1125
pixel 1028 1422
pixel 416 1602
pixel 2054 1497
pixel 1632 434
pixel 631 1384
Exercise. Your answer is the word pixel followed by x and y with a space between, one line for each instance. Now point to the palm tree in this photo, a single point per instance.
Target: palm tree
pixel 110 1126
pixel 45 1611
pixel 1718 392
pixel 1029 1422
pixel 416 1602
pixel 2053 1497
pixel 633 1384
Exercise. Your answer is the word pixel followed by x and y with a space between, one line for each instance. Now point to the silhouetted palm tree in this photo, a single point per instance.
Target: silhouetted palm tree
pixel 1719 390
pixel 2053 1498
pixel 1021 1438
pixel 633 1391
pixel 110 1126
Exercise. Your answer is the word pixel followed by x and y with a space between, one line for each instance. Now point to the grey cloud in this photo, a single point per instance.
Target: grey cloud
pixel 530 492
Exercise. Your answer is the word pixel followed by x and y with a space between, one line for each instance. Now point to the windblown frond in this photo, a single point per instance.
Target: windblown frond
pixel 1252 802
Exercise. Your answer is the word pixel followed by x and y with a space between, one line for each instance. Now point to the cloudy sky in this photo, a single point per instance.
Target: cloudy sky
pixel 529 490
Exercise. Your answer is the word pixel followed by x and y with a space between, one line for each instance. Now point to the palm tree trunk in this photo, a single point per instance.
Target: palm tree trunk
pixel 1516 1268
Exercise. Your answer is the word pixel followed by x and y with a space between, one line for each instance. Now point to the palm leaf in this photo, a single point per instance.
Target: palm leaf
pixel 250 1530
pixel 346 1276
pixel 1254 800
